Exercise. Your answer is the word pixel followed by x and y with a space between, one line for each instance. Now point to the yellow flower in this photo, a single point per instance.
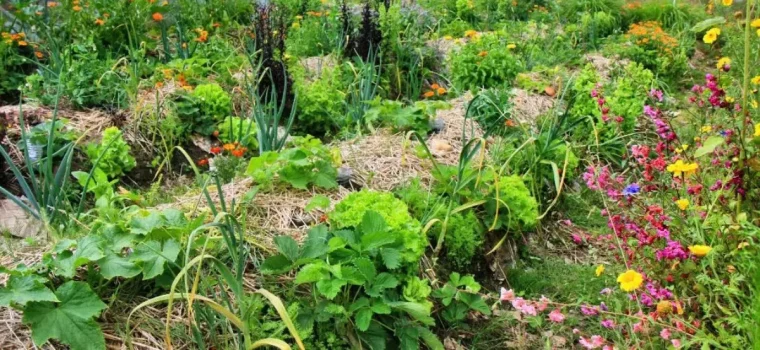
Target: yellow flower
pixel 730 99
pixel 699 250
pixel 727 2
pixel 679 167
pixel 470 33
pixel 664 307
pixel 711 36
pixel 599 270
pixel 707 128
pixel 757 130
pixel 511 46
pixel 756 80
pixel 755 23
pixel 682 203
pixel 684 146
pixel 723 62
pixel 447 37
pixel 630 280
pixel 742 245
pixel 754 104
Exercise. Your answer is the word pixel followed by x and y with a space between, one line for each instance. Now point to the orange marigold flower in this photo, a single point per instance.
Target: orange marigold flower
pixel 203 162
pixel 440 91
pixel 158 17
pixel 434 86
pixel 22 43
pixel 229 146
pixel 510 123
pixel 428 94
pixel 215 150
pixel 77 8
pixel 483 54
pixel 159 84
pixel 52 4
pixel 39 55
pixel 99 22
pixel 238 153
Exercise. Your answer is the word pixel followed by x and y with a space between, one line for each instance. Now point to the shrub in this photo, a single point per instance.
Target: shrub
pixel 492 109
pixel 113 153
pixel 350 211
pixel 485 62
pixel 647 43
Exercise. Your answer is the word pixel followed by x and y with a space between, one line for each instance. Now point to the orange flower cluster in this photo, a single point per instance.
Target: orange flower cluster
pixel 650 34
pixel 633 5
pixel 202 35
pixel 235 149
pixel 18 38
pixel 435 90
pixel 157 16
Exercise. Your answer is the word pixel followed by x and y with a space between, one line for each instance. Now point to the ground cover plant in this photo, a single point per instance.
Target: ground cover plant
pixel 362 174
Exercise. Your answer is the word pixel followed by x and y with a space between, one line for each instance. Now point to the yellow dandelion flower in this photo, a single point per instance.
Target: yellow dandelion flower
pixel 707 128
pixel 755 23
pixel 682 203
pixel 727 2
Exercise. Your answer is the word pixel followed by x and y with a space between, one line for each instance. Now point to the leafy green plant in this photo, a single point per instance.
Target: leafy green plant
pixel 321 103
pixel 510 203
pixel 416 117
pixel 239 130
pixel 485 62
pixel 307 163
pixel 350 212
pixel 112 153
pixel 356 285
pixel 493 109
pixel 459 296
pixel 213 101
pixel 464 238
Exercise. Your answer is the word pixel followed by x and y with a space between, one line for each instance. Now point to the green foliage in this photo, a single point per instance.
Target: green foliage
pixel 464 238
pixel 357 285
pixel 238 130
pixel 492 108
pixel 112 153
pixel 510 204
pixel 86 80
pixel 459 296
pixel 68 319
pixel 321 104
pixel 307 163
pixel 485 62
pixel 312 36
pixel 14 65
pixel 213 101
pixel 416 117
pixel 351 211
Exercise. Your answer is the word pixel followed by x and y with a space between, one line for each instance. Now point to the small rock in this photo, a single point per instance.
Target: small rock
pixel 345 174
pixel 441 146
pixel 437 125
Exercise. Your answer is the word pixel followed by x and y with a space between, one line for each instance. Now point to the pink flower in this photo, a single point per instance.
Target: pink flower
pixel 576 331
pixel 608 347
pixel 609 324
pixel 506 295
pixel 665 333
pixel 528 309
pixel 556 316
pixel 588 310
pixel 577 238
pixel 638 327
pixel 543 303
pixel 518 303
pixel 676 343
pixel 595 342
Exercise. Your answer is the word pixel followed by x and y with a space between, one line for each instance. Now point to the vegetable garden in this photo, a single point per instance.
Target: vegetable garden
pixel 396 174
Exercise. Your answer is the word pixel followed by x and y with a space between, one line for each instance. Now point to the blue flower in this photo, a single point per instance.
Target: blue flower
pixel 631 190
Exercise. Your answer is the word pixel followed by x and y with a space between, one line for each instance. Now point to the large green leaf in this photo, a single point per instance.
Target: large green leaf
pixel 381 282
pixel 330 287
pixel 366 268
pixel 363 317
pixel 115 265
pixel 287 246
pixel 312 273
pixel 295 177
pixel 418 311
pixel 88 249
pixel 22 289
pixel 70 321
pixel 145 221
pixel 391 257
pixel 154 255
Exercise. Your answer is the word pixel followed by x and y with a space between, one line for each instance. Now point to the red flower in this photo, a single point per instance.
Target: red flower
pixel 215 150
pixel 238 153
pixel 203 162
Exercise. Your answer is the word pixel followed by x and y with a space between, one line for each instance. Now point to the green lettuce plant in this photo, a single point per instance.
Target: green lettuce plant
pixel 112 153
